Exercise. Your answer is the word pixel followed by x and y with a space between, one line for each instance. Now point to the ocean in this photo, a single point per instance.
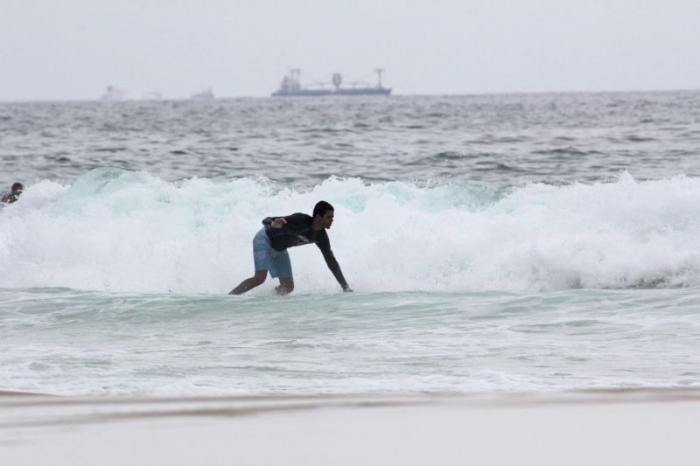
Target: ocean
pixel 495 243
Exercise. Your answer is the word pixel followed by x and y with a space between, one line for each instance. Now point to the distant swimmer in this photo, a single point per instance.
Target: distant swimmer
pixel 14 193
pixel 279 233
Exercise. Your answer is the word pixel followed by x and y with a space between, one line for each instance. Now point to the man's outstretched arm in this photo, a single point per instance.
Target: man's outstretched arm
pixel 332 263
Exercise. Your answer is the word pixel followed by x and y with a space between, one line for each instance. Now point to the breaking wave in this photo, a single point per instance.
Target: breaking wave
pixel 117 231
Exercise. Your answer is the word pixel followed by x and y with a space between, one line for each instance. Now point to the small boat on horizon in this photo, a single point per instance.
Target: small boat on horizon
pixel 112 93
pixel 206 94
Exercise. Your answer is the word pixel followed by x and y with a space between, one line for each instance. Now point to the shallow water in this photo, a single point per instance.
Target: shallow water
pixel 96 343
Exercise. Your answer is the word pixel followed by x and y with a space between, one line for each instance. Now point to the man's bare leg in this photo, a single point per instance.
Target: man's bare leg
pixel 286 286
pixel 250 283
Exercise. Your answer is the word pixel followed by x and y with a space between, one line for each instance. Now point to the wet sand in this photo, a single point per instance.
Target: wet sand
pixel 604 427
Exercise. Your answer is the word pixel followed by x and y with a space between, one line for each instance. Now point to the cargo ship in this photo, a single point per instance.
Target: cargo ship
pixel 291 87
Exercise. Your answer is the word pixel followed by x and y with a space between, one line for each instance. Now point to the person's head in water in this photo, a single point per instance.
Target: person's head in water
pixel 323 214
pixel 14 193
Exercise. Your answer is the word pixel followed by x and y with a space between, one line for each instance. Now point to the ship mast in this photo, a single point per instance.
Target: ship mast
pixel 379 72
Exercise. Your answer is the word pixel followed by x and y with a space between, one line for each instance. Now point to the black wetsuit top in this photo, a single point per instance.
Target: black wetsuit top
pixel 299 231
pixel 9 198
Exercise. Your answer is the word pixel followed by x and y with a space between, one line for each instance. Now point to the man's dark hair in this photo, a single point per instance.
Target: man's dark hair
pixel 321 208
pixel 17 187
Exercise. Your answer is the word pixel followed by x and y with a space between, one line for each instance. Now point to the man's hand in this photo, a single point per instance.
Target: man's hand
pixel 278 223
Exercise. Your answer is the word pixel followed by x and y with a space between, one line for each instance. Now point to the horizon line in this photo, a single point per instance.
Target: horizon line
pixel 268 96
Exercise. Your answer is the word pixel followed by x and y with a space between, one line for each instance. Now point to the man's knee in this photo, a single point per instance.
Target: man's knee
pixel 259 277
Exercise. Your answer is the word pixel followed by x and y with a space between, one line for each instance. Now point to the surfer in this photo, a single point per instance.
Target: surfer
pixel 13 194
pixel 279 233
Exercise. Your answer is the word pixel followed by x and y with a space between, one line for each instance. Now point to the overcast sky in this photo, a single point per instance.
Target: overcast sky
pixel 73 49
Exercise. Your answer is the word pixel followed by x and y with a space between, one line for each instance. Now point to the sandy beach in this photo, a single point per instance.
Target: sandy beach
pixel 617 427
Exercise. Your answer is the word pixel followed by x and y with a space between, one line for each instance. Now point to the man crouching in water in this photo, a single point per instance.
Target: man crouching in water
pixel 279 233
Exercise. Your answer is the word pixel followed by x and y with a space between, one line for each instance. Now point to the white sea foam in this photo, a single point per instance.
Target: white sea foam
pixel 126 231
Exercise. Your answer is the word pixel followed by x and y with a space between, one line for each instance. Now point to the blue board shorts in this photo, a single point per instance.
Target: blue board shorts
pixel 268 258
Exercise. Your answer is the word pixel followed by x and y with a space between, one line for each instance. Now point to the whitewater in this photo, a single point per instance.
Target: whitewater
pixel 494 243
pixel 123 231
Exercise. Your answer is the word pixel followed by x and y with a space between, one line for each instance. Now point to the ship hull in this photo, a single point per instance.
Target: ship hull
pixel 327 92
